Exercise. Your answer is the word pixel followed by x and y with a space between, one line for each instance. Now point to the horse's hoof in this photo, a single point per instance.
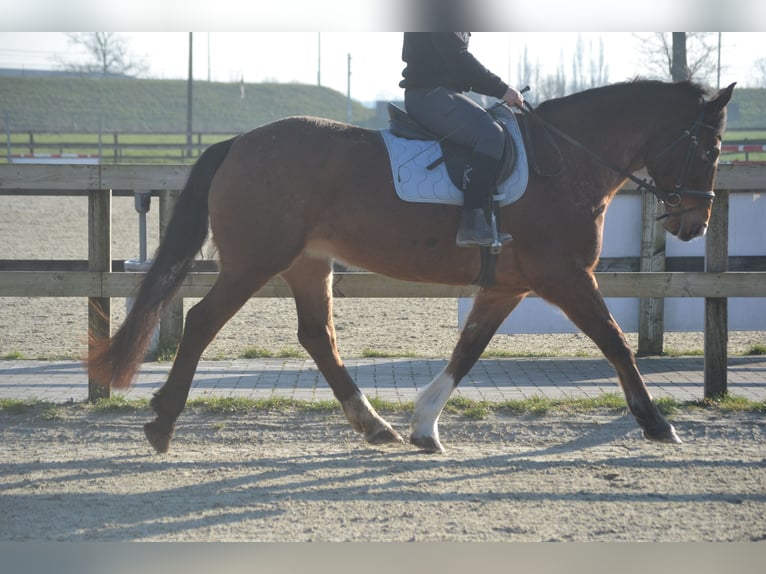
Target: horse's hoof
pixel 427 444
pixel 158 436
pixel 667 435
pixel 383 435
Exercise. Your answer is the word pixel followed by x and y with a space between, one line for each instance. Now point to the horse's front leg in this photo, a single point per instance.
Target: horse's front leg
pixel 579 298
pixel 489 310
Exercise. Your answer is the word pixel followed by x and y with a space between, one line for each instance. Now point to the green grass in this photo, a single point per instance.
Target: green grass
pixel 374 354
pixel 497 354
pixel 467 408
pixel 671 352
pixel 12 356
pixel 18 406
pixel 67 106
pixel 234 405
pixel 291 353
pixel 739 136
pixel 256 353
pixel 118 404
pixel 729 404
pixel 756 350
pixel 166 353
pixel 135 116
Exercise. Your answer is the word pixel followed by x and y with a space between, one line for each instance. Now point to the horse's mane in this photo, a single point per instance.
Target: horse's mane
pixel 636 87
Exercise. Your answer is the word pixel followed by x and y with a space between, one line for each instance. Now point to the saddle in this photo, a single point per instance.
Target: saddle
pixel 454 156
pixel 511 182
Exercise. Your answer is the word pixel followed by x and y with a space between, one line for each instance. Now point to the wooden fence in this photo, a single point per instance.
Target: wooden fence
pixel 112 147
pixel 99 283
pixel 160 147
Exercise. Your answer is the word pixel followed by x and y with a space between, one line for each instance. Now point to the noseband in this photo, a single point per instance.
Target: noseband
pixel 674 198
pixel 669 198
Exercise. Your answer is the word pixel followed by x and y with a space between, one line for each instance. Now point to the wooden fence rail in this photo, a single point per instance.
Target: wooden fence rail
pixel 99 283
pixel 172 146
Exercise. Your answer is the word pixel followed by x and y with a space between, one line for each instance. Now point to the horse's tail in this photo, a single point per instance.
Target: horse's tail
pixel 116 360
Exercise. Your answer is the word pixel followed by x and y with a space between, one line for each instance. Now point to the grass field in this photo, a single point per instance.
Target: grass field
pixel 65 115
pixel 745 136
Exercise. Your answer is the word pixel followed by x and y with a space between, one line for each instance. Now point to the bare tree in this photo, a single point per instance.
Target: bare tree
pixel 588 68
pixel 657 50
pixel 108 53
pixel 578 72
pixel 599 70
pixel 759 66
pixel 679 69
pixel 525 68
pixel 554 85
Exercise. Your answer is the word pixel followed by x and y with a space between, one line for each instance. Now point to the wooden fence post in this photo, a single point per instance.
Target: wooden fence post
pixel 99 259
pixel 172 318
pixel 651 310
pixel 716 308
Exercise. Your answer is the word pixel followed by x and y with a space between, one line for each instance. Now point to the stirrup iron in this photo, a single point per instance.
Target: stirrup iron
pixel 496 246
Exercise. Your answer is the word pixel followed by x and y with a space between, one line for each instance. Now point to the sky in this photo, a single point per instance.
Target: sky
pixel 375 57
pixel 307 41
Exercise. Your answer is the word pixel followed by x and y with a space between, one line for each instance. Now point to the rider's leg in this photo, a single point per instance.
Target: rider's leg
pixel 479 183
pixel 458 118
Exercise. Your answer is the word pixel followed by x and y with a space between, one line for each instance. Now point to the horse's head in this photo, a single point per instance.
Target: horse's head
pixel 683 166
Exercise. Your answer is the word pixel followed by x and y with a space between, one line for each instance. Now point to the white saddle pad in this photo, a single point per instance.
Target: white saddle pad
pixel 413 182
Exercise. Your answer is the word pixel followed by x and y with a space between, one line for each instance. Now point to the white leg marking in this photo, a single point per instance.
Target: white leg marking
pixel 429 404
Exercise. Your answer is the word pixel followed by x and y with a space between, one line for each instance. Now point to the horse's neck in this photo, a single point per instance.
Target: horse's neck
pixel 619 139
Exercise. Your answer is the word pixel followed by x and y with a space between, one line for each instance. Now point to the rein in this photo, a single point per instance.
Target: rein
pixel 671 198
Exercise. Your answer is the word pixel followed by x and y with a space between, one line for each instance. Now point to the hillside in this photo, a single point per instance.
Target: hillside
pixel 132 105
pixel 70 105
pixel 747 110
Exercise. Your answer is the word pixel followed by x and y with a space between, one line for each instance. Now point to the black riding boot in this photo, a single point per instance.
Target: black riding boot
pixel 479 182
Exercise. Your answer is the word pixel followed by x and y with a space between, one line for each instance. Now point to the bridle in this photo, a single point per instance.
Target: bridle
pixel 669 198
pixel 674 198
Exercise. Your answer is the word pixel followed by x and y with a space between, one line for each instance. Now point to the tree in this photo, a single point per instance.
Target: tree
pixel 657 49
pixel 588 69
pixel 760 72
pixel 679 69
pixel 108 54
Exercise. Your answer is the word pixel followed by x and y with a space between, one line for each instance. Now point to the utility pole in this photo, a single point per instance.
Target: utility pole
pixel 718 81
pixel 189 103
pixel 319 58
pixel 348 92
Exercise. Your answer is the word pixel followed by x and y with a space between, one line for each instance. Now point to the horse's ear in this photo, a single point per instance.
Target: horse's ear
pixel 721 99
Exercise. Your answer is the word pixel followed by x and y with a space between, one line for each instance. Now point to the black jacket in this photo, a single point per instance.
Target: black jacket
pixel 442 59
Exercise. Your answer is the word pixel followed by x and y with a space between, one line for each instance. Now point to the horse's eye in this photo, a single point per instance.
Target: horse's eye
pixel 712 154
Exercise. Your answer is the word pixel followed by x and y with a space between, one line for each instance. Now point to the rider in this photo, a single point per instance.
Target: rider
pixel 439 70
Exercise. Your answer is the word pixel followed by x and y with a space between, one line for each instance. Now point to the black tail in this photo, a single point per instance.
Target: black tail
pixel 116 361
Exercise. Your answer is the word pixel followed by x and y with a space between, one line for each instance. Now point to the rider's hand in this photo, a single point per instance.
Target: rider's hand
pixel 513 97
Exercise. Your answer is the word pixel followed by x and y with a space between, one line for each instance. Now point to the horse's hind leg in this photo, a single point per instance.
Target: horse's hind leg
pixel 579 298
pixel 489 310
pixel 203 322
pixel 311 283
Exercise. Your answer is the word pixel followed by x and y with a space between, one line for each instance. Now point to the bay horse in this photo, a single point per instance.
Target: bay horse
pixel 290 197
